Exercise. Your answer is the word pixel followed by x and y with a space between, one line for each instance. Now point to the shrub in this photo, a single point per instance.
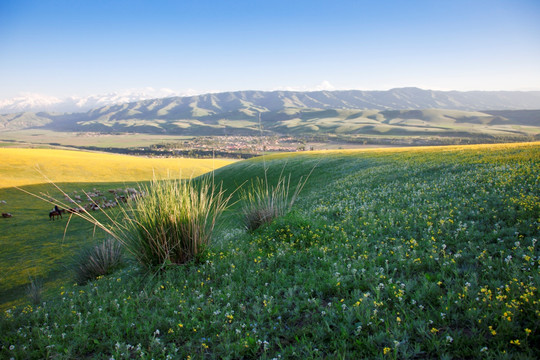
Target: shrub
pixel 172 222
pixel 98 260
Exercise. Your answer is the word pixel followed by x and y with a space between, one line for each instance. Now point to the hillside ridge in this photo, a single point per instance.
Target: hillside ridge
pixel 402 111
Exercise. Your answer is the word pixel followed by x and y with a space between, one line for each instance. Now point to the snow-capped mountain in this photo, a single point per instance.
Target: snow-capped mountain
pixel 30 102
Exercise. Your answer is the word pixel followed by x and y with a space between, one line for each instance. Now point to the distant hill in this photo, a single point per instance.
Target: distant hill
pixel 405 111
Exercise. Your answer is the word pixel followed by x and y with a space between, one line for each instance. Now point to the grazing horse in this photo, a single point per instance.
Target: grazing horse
pixel 6 215
pixel 56 212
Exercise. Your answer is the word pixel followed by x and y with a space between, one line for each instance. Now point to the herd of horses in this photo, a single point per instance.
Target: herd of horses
pixel 54 214
pixel 121 195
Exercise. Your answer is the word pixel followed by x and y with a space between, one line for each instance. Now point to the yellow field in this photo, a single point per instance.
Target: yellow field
pixel 20 167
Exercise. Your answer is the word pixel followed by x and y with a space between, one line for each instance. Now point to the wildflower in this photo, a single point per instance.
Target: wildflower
pixel 180 325
pixel 434 330
pixel 449 338
pixel 515 342
pixel 484 349
pixel 528 331
pixel 386 350
pixel 398 319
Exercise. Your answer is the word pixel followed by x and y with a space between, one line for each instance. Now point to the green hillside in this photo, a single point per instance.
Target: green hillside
pixel 211 119
pixel 410 253
pixel 396 112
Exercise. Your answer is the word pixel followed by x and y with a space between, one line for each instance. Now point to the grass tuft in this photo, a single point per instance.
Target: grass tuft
pixel 101 259
pixel 262 202
pixel 172 223
pixel 34 290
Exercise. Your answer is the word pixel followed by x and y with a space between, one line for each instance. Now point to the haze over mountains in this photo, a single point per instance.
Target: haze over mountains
pixel 396 111
pixel 400 98
pixel 30 102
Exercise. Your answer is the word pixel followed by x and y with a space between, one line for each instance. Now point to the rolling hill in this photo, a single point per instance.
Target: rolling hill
pixel 406 111
pixel 411 253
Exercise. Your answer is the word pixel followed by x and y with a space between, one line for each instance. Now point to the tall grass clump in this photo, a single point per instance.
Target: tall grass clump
pixel 34 290
pixel 169 221
pixel 172 222
pixel 262 202
pixel 101 259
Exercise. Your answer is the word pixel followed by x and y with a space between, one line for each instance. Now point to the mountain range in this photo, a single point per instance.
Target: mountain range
pixel 400 98
pixel 397 111
pixel 30 102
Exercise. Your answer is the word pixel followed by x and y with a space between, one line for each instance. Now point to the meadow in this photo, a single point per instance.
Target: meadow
pixel 394 253
pixel 34 166
pixel 33 246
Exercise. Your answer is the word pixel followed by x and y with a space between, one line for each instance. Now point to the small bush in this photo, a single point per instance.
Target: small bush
pixel 262 202
pixel 172 223
pixel 99 260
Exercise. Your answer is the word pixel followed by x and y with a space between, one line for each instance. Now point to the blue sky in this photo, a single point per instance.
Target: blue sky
pixel 63 48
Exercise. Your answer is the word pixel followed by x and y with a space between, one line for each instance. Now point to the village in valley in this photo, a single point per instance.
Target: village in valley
pixel 240 147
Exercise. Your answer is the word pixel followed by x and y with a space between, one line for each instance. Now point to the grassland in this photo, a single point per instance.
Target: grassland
pixel 289 119
pixel 408 253
pixel 35 247
pixel 61 138
pixel 20 167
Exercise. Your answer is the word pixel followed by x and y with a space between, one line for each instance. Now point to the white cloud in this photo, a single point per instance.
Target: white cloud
pixel 325 85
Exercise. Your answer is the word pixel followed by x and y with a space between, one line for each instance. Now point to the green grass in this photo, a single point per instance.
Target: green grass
pixel 419 253
pixel 123 140
pixel 171 223
pixel 263 200
pixel 34 246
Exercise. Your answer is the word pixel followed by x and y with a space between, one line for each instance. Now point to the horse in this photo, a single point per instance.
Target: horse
pixel 6 215
pixel 54 213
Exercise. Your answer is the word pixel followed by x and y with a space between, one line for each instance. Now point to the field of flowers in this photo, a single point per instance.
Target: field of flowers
pixel 417 253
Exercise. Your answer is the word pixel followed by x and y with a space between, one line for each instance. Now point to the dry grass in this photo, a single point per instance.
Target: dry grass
pixel 18 167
